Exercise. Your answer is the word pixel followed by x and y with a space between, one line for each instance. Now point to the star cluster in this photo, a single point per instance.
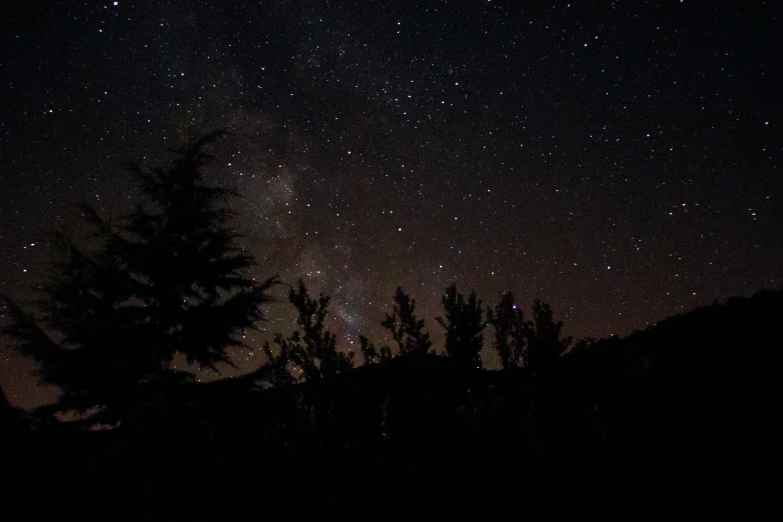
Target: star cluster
pixel 618 160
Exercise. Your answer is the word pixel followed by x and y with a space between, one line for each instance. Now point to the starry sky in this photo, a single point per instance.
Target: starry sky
pixel 619 160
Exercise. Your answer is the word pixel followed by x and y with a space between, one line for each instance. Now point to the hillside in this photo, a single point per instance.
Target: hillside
pixel 672 418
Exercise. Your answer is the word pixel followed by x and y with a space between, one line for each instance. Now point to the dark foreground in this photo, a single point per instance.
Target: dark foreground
pixel 676 421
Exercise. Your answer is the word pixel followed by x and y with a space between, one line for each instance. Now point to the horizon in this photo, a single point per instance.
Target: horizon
pixel 620 163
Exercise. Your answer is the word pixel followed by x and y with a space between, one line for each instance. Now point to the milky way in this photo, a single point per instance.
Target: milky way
pixel 621 162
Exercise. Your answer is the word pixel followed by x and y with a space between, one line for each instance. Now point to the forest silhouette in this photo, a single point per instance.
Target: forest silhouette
pixel 672 420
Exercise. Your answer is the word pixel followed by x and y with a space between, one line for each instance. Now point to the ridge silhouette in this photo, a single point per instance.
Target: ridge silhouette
pixel 674 419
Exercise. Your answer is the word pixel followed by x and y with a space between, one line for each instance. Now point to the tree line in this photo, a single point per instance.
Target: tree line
pixel 170 278
pixel 563 426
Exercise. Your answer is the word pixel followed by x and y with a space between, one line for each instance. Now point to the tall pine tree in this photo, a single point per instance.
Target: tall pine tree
pixel 464 326
pixel 406 329
pixel 544 342
pixel 510 331
pixel 169 280
pixel 314 349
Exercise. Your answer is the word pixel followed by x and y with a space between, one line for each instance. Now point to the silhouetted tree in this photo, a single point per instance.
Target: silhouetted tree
pixel 78 331
pixel 544 344
pixel 314 349
pixel 406 330
pixel 464 326
pixel 510 331
pixel 277 372
pixel 372 355
pixel 368 351
pixel 170 281
pixel 192 271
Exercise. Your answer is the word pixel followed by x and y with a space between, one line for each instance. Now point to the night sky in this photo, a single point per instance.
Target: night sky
pixel 620 161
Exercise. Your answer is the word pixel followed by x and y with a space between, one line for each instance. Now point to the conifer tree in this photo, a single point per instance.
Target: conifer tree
pixel 371 354
pixel 510 331
pixel 464 326
pixel 406 329
pixel 276 371
pixel 544 342
pixel 169 280
pixel 368 351
pixel 314 348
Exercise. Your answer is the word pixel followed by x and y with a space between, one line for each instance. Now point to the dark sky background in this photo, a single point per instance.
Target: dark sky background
pixel 619 160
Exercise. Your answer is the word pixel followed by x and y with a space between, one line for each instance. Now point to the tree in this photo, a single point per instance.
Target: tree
pixel 314 349
pixel 510 331
pixel 276 370
pixel 543 339
pixel 464 326
pixel 406 330
pixel 372 355
pixel 192 272
pixel 170 280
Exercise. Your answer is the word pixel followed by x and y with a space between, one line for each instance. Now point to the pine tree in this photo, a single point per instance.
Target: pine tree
pixel 119 308
pixel 371 354
pixel 368 351
pixel 545 346
pixel 510 331
pixel 314 349
pixel 276 371
pixel 406 330
pixel 464 326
